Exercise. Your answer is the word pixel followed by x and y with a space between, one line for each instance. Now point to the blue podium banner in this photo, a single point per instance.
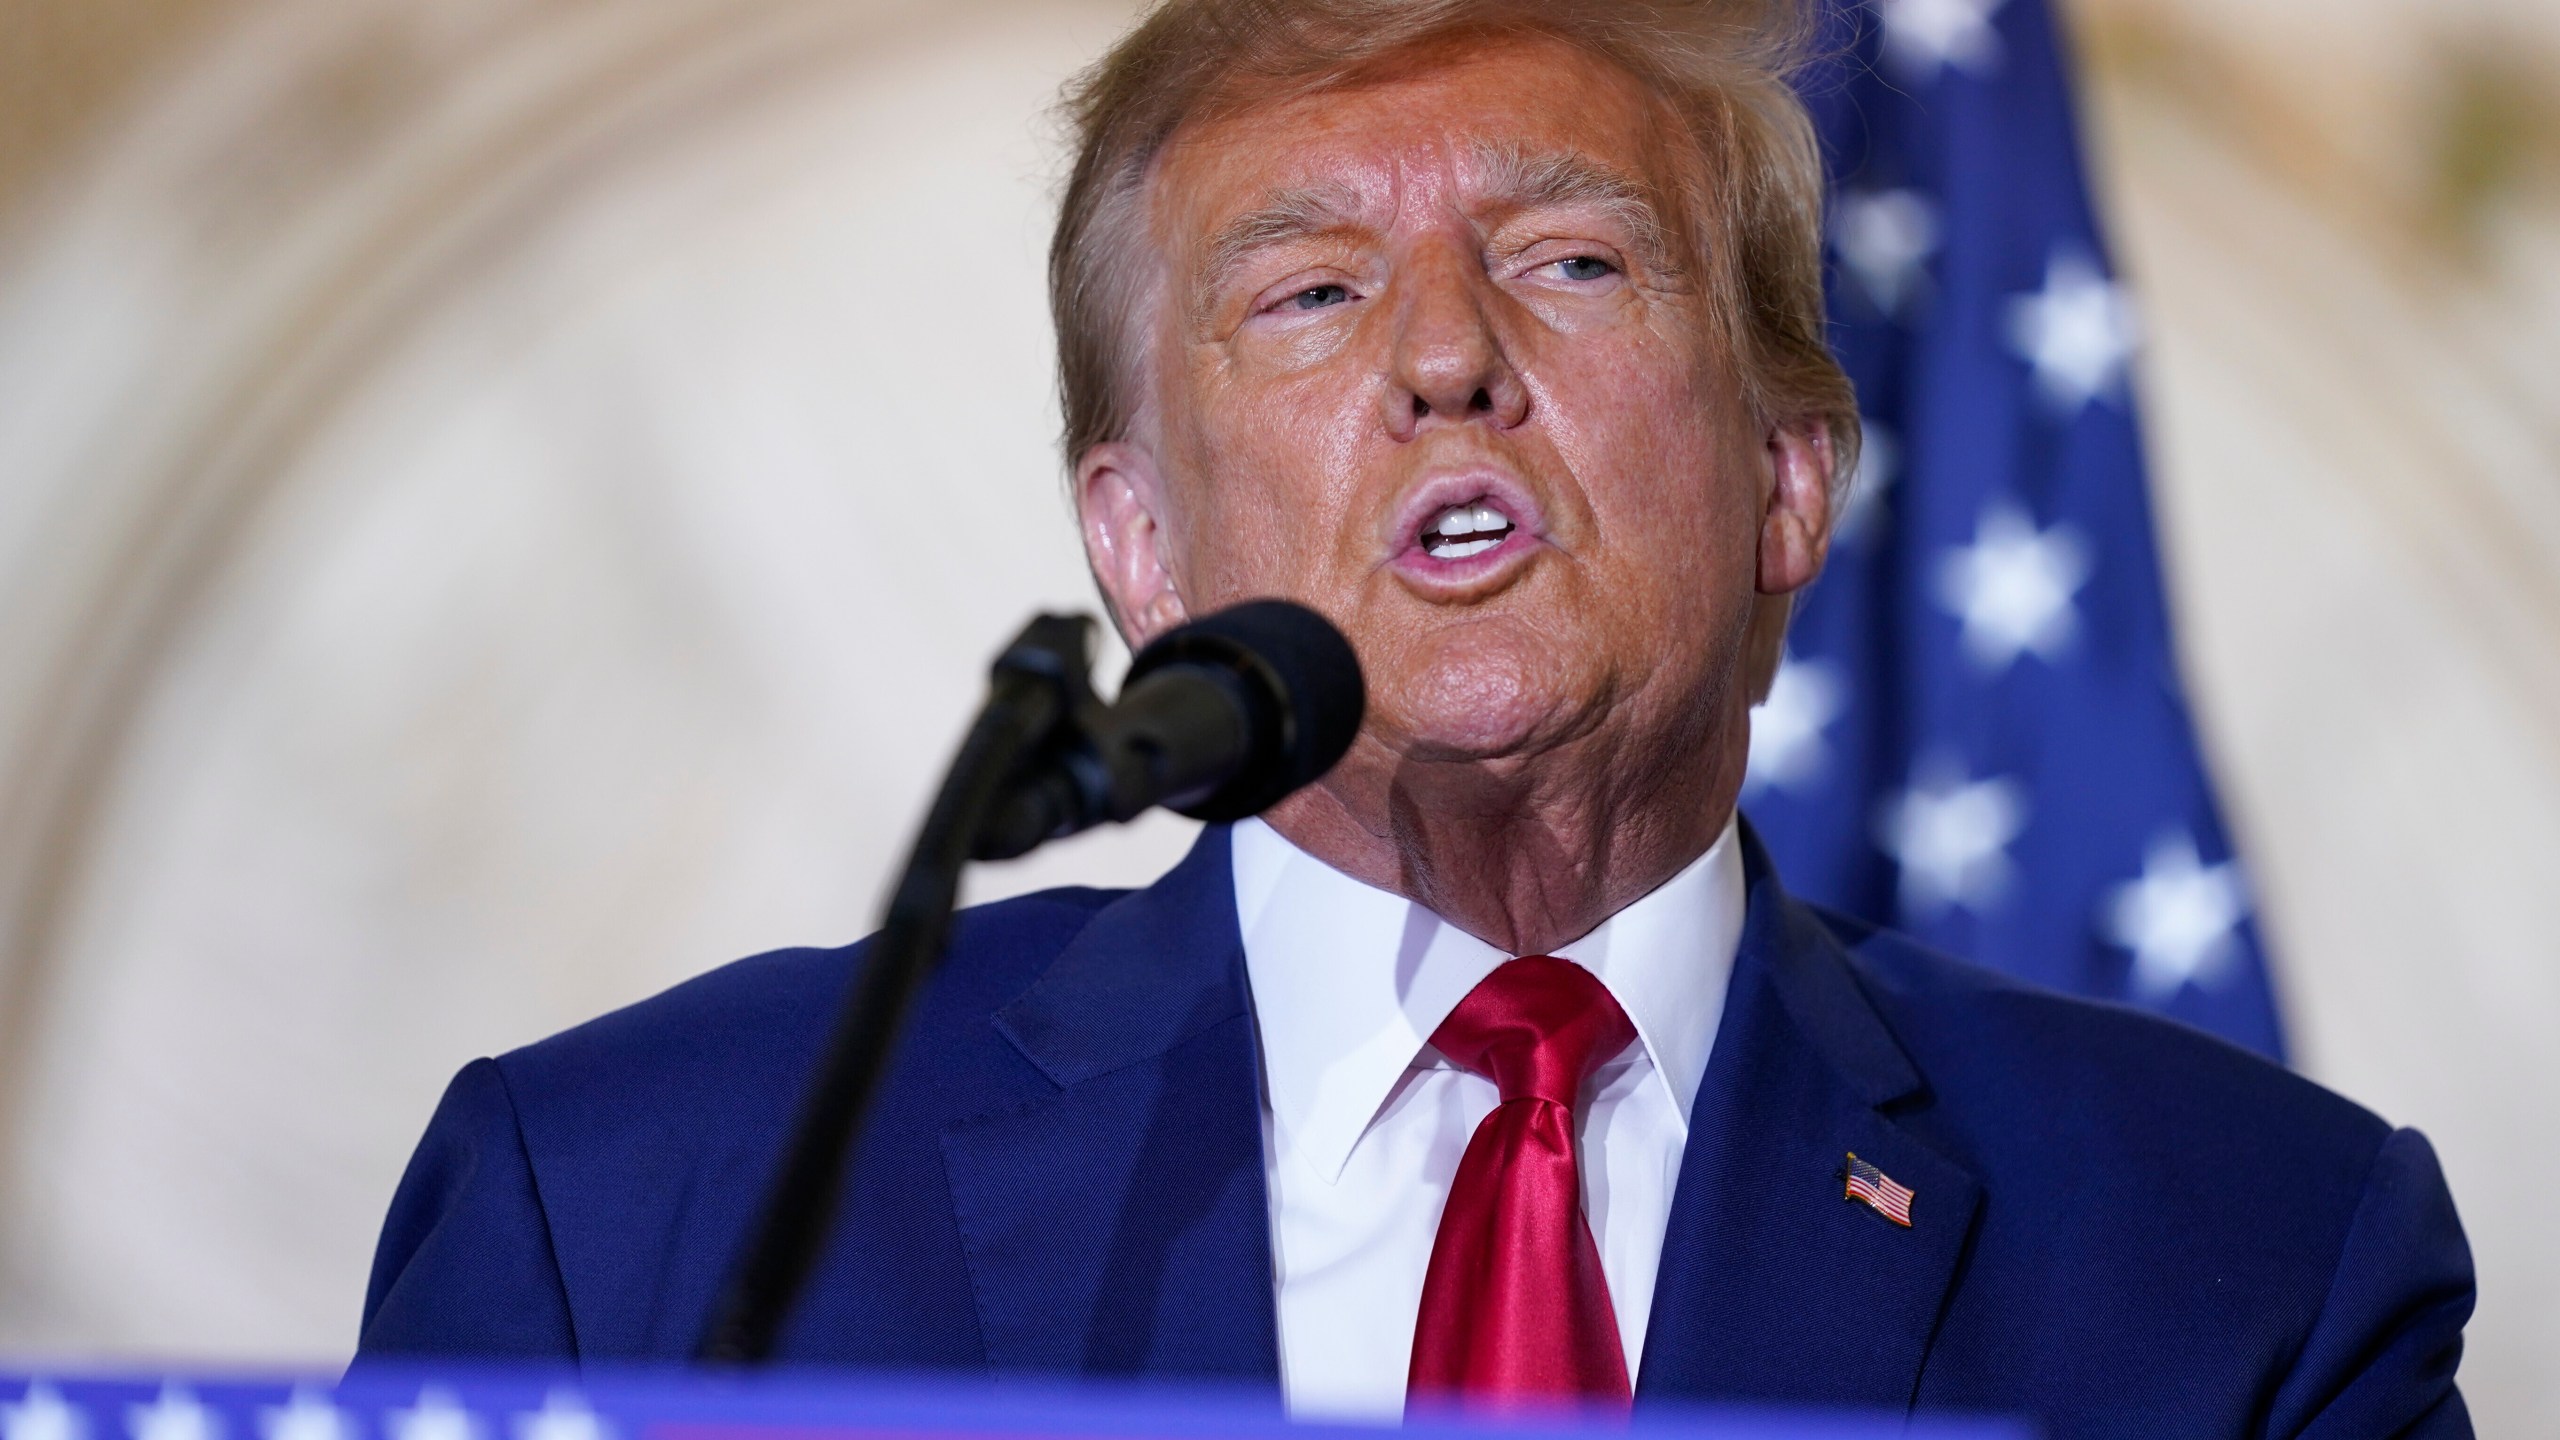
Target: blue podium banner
pixel 445 1403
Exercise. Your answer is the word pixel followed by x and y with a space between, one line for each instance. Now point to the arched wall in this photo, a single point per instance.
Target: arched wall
pixel 509 500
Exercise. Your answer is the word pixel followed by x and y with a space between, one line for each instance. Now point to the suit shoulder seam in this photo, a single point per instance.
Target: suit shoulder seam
pixel 2338 1257
pixel 541 1205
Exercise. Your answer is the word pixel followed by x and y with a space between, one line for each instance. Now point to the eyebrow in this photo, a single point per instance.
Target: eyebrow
pixel 1514 178
pixel 1293 214
pixel 1522 179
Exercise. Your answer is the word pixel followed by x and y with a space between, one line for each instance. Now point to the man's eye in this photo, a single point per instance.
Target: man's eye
pixel 1585 267
pixel 1318 297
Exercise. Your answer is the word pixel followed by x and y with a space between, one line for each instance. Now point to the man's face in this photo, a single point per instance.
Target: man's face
pixel 1434 357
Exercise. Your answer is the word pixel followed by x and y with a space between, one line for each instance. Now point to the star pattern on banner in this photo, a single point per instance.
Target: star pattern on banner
pixel 306 1414
pixel 41 1414
pixel 2012 588
pixel 564 1416
pixel 175 1415
pixel 1786 729
pixel 435 1416
pixel 2180 919
pixel 1923 37
pixel 1884 239
pixel 1950 836
pixel 305 1411
pixel 2078 333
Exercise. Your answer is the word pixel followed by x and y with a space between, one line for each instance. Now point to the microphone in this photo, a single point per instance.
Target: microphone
pixel 1218 719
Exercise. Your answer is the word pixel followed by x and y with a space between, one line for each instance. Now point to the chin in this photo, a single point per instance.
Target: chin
pixel 1482 697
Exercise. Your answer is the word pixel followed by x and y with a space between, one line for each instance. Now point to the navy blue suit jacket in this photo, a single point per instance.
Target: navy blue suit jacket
pixel 2121 1226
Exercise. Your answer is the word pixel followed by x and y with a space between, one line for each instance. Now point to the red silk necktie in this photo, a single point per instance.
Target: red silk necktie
pixel 1515 1306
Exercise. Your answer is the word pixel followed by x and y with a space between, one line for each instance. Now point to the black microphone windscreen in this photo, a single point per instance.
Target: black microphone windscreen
pixel 1307 684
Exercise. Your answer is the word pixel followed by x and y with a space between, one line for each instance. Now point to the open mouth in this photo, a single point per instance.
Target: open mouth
pixel 1463 530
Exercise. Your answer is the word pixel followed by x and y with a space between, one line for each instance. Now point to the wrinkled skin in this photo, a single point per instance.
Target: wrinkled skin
pixel 1375 303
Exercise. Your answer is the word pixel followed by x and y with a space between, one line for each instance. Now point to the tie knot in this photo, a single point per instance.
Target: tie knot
pixel 1536 1027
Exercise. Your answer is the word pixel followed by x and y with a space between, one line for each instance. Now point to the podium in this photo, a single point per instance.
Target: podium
pixel 386 1402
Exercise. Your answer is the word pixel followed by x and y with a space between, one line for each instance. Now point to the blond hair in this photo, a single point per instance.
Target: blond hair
pixel 1721 66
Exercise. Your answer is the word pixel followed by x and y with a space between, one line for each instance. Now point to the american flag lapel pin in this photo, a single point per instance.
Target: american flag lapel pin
pixel 1878 1190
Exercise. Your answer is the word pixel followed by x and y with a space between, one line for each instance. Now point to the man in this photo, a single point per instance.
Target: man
pixel 1498 1063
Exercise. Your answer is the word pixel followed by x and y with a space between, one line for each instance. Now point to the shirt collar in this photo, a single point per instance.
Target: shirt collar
pixel 1349 980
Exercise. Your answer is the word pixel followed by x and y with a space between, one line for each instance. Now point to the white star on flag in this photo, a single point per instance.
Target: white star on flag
pixel 2179 919
pixel 1786 729
pixel 1879 465
pixel 1923 37
pixel 42 1414
pixel 1885 239
pixel 1950 837
pixel 436 1416
pixel 2012 587
pixel 176 1415
pixel 564 1416
pixel 2078 332
pixel 306 1414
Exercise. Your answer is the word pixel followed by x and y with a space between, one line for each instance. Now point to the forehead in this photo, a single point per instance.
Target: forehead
pixel 1417 132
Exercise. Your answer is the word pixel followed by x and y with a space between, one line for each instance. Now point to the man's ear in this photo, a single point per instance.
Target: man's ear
pixel 1795 520
pixel 1795 535
pixel 1120 502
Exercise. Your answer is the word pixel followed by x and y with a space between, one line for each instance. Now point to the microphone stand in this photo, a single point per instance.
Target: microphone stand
pixel 1040 686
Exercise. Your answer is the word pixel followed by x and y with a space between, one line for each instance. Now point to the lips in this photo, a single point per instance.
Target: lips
pixel 1460 528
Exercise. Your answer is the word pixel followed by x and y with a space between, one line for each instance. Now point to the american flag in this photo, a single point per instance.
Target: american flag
pixel 1978 734
pixel 1878 1189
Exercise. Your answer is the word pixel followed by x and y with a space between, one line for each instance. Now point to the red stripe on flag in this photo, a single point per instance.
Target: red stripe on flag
pixel 1879 1191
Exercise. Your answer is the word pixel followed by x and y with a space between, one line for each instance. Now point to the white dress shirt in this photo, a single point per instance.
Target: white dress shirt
pixel 1364 1123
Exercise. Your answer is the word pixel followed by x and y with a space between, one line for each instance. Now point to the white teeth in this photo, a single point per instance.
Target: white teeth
pixel 1469 520
pixel 1464 530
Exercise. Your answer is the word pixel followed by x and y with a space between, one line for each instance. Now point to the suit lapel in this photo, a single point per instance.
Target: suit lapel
pixel 1120 1224
pixel 1773 1287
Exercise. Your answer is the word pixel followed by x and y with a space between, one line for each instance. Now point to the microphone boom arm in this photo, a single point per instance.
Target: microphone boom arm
pixel 1219 718
pixel 1038 689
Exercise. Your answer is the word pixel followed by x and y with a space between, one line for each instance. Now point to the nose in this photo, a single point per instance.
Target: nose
pixel 1448 365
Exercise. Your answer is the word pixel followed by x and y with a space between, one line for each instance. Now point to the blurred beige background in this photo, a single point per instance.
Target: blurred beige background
pixel 503 502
